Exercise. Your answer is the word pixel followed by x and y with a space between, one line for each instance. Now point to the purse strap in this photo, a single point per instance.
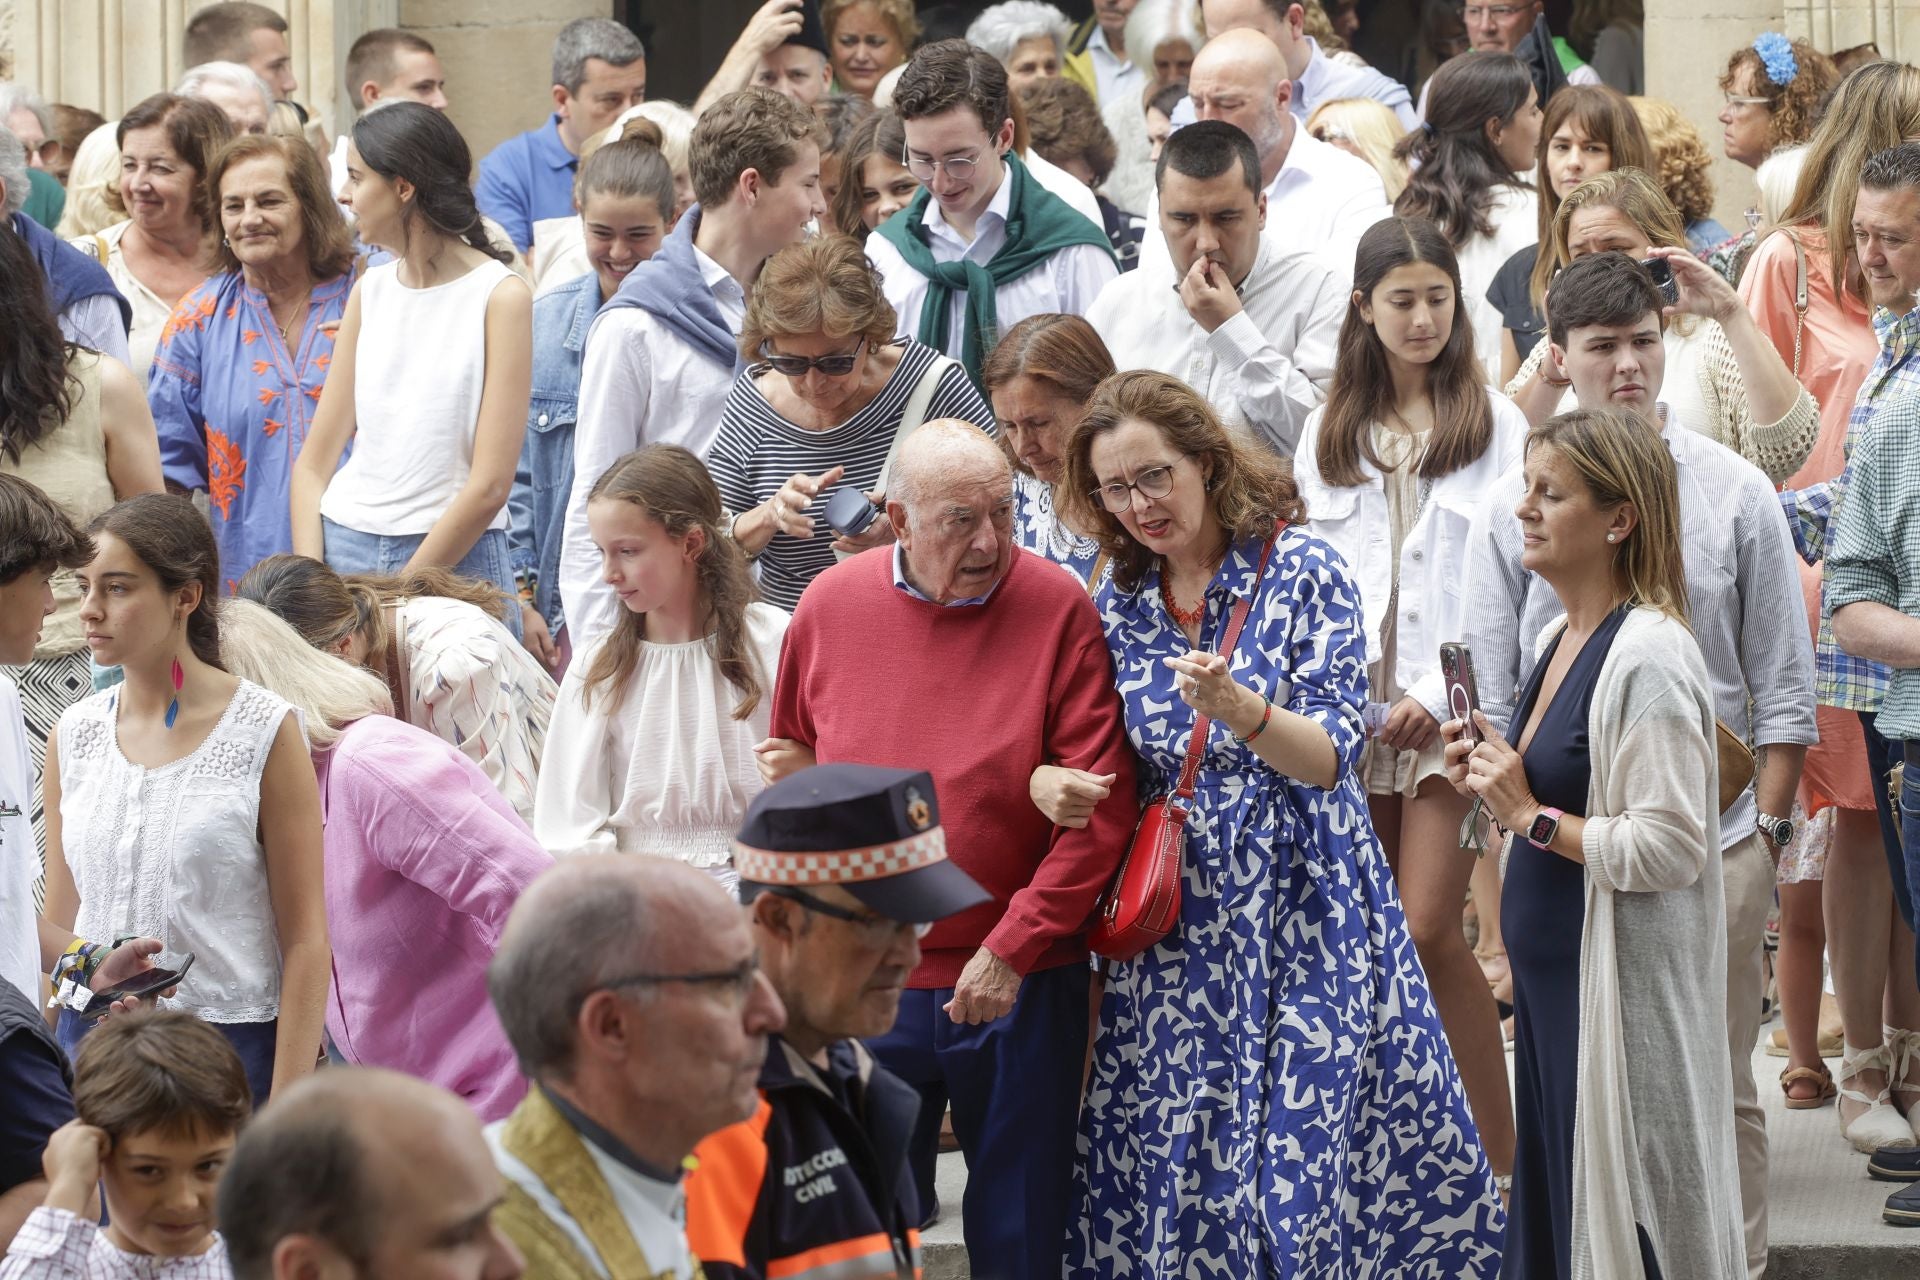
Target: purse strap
pixel 1201 724
pixel 1799 298
pixel 913 414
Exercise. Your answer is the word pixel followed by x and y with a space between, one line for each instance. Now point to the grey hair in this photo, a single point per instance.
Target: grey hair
pixel 1003 28
pixel 14 97
pixel 329 692
pixel 1154 22
pixel 1895 169
pixel 584 38
pixel 937 451
pixel 234 75
pixel 13 172
pixel 545 969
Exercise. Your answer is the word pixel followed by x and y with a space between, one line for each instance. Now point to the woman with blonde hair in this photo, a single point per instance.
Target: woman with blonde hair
pixel 94 174
pixel 1367 129
pixel 420 856
pixel 437 641
pixel 652 748
pixel 1286 1011
pixel 866 39
pixel 1616 924
pixel 1723 378
pixel 1586 130
pixel 1682 165
pixel 826 398
pixel 1832 348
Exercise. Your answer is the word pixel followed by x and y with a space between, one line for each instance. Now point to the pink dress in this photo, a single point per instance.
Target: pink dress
pixel 423 862
pixel 1837 347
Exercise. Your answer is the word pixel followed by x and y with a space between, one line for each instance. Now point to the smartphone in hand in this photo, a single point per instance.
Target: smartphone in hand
pixel 1463 695
pixel 150 983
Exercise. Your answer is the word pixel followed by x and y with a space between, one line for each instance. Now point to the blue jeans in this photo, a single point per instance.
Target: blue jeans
pixel 253 1041
pixel 351 551
pixel 1907 887
pixel 1882 756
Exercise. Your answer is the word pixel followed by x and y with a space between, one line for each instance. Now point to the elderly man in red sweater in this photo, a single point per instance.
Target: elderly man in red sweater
pixel 957 652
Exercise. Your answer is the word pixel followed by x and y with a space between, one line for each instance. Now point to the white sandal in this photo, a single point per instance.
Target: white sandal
pixel 1879 1125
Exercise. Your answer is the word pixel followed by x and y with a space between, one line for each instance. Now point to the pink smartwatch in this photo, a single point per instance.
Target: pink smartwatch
pixel 1545 825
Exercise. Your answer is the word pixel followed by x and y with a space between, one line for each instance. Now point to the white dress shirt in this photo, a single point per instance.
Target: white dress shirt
pixel 1322 199
pixel 1115 77
pixel 1742 591
pixel 19 860
pixel 1267 368
pixel 1077 194
pixel 1326 80
pixel 1069 282
pixel 640 383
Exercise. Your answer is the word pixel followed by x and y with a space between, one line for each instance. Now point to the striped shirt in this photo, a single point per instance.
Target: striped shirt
pixel 758 450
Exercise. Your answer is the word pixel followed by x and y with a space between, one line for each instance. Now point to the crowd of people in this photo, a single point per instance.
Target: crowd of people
pixel 1293 657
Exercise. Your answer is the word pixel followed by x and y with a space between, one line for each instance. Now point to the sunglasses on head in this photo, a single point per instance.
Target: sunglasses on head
pixel 797 366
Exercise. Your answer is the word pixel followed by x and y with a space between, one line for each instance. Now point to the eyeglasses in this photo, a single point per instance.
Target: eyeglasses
pixel 736 983
pixel 1742 100
pixel 959 168
pixel 797 366
pixel 1154 482
pixel 46 151
pixel 1498 12
pixel 875 929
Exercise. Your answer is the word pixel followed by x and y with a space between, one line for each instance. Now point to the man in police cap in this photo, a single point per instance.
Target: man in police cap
pixel 843 868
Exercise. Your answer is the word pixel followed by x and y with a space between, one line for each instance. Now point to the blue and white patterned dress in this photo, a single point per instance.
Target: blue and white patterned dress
pixel 1038 528
pixel 1272 1095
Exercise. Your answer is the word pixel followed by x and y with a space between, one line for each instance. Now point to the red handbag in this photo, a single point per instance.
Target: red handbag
pixel 1142 904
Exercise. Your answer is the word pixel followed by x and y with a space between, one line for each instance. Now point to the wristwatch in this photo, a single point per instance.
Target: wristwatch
pixel 1546 824
pixel 1778 830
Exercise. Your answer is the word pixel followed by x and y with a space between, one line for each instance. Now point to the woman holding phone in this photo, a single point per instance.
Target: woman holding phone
pixel 1607 777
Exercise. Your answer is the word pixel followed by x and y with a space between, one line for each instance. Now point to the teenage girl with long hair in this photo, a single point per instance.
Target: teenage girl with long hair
pixel 652 742
pixel 1392 469
pixel 1470 160
pixel 181 803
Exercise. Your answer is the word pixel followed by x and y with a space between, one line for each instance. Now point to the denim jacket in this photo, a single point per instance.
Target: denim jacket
pixel 537 507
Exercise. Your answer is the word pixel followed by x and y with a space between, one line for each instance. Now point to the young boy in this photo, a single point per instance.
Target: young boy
pixel 161 1097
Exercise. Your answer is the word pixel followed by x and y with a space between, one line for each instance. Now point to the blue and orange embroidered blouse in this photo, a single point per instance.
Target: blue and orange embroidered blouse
pixel 232 406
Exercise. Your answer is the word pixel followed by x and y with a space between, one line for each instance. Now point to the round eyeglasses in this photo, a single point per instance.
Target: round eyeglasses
pixel 1154 482
pixel 959 168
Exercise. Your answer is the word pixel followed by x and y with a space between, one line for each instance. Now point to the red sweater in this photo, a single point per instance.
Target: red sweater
pixel 978 696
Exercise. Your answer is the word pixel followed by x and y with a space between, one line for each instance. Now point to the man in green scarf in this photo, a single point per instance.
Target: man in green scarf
pixel 984 245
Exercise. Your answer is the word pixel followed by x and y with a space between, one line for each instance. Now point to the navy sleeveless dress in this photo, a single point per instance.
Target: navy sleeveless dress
pixel 1543 907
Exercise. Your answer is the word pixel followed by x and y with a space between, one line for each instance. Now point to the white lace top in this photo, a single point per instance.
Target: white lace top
pixel 174 853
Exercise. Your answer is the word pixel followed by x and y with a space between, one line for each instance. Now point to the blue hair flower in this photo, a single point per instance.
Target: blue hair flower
pixel 1776 55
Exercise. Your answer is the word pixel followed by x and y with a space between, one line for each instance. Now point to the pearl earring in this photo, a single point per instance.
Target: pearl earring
pixel 1610 537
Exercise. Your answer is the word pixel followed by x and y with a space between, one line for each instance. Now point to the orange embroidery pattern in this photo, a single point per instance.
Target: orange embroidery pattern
pixel 261 366
pixel 249 336
pixel 193 313
pixel 273 426
pixel 226 473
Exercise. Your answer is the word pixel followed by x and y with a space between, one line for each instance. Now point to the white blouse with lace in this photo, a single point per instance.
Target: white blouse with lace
pixel 174 853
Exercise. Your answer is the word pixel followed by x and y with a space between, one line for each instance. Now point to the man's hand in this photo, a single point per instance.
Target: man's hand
pixel 1068 797
pixel 1208 295
pixel 781 757
pixel 772 26
pixel 72 1163
pixel 986 990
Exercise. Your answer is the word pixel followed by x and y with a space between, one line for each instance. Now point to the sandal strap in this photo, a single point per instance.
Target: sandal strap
pixel 1851 1065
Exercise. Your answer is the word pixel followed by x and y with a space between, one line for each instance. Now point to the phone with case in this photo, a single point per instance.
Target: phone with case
pixel 1463 695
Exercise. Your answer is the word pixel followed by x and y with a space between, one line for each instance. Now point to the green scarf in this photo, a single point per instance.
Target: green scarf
pixel 1039 224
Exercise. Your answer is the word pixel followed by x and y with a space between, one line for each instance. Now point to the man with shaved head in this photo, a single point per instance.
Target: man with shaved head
pixel 357 1173
pixel 630 989
pixel 956 652
pixel 1316 77
pixel 1318 196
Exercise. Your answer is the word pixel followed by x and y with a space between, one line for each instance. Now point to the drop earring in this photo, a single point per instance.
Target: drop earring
pixel 179 678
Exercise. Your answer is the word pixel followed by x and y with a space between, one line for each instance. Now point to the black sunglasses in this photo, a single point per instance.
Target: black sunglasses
pixel 797 366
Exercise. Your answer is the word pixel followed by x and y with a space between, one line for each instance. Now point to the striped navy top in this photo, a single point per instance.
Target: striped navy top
pixel 758 450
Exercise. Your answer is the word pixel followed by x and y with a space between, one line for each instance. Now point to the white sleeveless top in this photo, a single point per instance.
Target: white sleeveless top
pixel 174 853
pixel 419 367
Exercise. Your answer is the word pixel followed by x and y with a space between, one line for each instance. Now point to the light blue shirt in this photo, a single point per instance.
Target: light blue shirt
pixel 1325 80
pixel 900 581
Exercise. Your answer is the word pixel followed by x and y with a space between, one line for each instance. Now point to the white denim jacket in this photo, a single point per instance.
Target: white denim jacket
pixel 1433 561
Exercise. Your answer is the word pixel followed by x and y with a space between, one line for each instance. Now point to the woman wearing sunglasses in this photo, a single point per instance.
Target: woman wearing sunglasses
pixel 828 394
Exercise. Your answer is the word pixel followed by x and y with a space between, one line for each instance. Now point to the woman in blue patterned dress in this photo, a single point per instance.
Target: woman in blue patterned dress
pixel 1272 1095
pixel 1040 378
pixel 243 357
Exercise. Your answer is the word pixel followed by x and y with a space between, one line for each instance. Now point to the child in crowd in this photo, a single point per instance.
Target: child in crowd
pixel 161 1097
pixel 692 658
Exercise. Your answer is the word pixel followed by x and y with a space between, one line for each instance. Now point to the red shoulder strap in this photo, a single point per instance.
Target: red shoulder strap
pixel 1201 724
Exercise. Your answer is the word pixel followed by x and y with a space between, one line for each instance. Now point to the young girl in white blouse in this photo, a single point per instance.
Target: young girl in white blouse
pixel 1392 469
pixel 181 804
pixel 692 659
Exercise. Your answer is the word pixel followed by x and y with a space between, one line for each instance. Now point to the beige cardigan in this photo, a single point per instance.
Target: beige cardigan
pixel 1653 1131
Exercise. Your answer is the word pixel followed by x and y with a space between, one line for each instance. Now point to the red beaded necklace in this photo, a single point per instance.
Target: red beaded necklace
pixel 1185 617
